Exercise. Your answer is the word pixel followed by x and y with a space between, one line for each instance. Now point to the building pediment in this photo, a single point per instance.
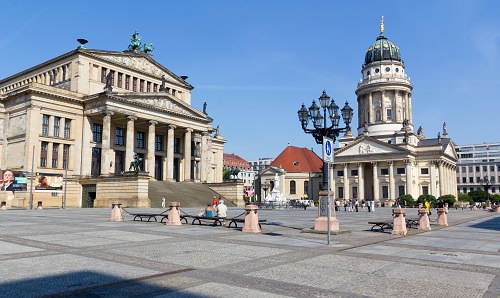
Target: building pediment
pixel 450 150
pixel 139 62
pixel 272 171
pixel 368 146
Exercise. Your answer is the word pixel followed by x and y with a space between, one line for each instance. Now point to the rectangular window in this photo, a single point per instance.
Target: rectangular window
pixel 43 154
pixel 120 80
pixel 385 191
pixel 463 169
pixel 127 82
pixel 389 114
pixel 67 128
pixel 57 126
pixel 464 179
pixel 400 171
pixel 477 169
pixel 340 173
pixel 424 171
pixel 293 189
pixel 354 192
pixel 177 145
pixel 140 139
pixel 354 173
pixel 470 169
pixel 425 190
pixel 119 136
pixel 384 172
pixel 103 75
pixel 341 192
pixel 141 86
pixel 158 142
pixel 65 156
pixel 471 179
pixel 401 190
pixel 55 154
pixel 148 87
pixel 134 84
pixel 97 132
pixel 493 189
pixel 492 179
pixel 112 77
pixel 45 125
pixel 155 87
pixel 478 179
pixel 485 168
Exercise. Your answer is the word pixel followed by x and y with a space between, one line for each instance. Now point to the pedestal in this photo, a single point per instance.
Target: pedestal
pixel 442 219
pixel 116 211
pixel 398 222
pixel 251 219
pixel 174 216
pixel 321 222
pixel 423 220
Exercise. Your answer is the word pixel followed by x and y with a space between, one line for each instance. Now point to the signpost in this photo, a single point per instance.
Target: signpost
pixel 327 159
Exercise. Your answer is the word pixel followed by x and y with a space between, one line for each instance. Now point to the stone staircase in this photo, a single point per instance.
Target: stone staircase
pixel 189 194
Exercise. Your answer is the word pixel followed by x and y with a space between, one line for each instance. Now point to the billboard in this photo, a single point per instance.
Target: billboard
pixel 13 180
pixel 48 182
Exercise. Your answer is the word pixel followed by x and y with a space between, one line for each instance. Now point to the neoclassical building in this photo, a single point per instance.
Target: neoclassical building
pixel 388 158
pixel 86 113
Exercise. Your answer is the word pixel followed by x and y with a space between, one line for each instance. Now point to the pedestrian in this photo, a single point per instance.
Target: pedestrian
pixel 356 205
pixel 222 211
pixel 163 203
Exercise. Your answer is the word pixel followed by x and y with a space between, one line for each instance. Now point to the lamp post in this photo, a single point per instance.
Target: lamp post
pixel 320 128
pixel 486 184
pixel 265 187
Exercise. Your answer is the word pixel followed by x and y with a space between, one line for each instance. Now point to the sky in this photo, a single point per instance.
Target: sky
pixel 256 62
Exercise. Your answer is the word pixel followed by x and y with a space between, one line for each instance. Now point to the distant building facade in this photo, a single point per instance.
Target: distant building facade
pixel 88 112
pixel 475 163
pixel 245 171
pixel 388 158
pixel 261 163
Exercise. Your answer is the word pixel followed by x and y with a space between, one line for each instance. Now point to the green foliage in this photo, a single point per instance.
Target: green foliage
pixel 464 197
pixel 407 200
pixel 226 174
pixel 478 195
pixel 246 199
pixel 432 199
pixel 495 198
pixel 449 199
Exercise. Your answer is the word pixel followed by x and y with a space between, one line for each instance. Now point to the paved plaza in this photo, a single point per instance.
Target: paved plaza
pixel 80 253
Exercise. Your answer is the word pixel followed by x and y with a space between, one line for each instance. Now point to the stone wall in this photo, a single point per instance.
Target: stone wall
pixel 233 191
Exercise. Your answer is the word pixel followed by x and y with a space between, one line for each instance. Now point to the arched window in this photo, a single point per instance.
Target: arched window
pixel 306 187
pixel 292 187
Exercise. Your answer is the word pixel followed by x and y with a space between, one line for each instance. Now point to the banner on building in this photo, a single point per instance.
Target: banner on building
pixel 48 182
pixel 13 181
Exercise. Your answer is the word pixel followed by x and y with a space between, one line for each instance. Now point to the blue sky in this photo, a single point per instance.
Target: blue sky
pixel 255 62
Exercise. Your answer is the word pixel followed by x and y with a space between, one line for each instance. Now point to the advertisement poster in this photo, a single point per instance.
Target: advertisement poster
pixel 13 181
pixel 48 182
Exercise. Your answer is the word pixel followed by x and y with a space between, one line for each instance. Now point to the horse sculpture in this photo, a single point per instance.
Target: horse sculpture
pixel 136 164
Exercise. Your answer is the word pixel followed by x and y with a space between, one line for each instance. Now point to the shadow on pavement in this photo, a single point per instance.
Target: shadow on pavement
pixel 490 224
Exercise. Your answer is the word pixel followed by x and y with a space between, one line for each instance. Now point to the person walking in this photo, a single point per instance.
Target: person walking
pixel 163 202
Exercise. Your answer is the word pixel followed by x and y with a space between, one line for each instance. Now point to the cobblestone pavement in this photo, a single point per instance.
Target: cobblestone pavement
pixel 80 253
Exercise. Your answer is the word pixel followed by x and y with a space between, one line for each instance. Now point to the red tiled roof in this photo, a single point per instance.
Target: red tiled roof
pixel 295 159
pixel 233 160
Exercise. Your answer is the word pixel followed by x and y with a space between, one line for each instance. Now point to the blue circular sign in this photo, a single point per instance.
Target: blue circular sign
pixel 328 148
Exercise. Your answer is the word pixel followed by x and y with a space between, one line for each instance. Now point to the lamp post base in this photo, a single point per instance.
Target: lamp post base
pixel 321 224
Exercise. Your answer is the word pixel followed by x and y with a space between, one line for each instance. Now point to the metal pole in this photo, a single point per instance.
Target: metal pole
pixel 65 183
pixel 32 175
pixel 328 203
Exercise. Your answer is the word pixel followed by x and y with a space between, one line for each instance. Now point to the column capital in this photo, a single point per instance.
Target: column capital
pixel 108 113
pixel 389 162
pixel 189 129
pixel 131 118
pixel 172 126
pixel 345 165
pixel 152 122
pixel 374 163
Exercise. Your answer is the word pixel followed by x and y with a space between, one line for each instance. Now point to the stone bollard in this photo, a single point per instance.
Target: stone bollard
pixel 423 219
pixel 174 216
pixel 321 222
pixel 398 222
pixel 498 209
pixel 39 206
pixel 442 219
pixel 116 211
pixel 251 219
pixel 4 205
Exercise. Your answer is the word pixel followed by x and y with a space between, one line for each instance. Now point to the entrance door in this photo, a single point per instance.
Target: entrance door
pixel 88 195
pixel 159 168
pixel 96 162
pixel 119 162
pixel 176 169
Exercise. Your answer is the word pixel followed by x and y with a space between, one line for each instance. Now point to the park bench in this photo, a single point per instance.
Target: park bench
pixel 142 216
pixel 381 225
pixel 199 219
pixel 412 222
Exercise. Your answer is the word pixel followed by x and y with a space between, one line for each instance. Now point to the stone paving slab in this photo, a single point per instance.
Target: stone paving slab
pixel 80 253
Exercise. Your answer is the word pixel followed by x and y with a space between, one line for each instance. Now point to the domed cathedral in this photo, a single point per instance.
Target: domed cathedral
pixel 388 159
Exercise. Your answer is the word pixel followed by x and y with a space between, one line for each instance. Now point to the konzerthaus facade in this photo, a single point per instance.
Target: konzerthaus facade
pixel 87 112
pixel 388 158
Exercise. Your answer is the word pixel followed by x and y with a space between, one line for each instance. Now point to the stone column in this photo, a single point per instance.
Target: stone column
pixel 170 153
pixel 441 179
pixel 106 143
pixel 432 172
pixel 392 188
pixel 346 183
pixel 49 154
pixel 151 149
pixel 409 184
pixel 376 197
pixel 187 154
pixel 382 103
pixel 129 142
pixel 86 162
pixel 370 110
pixel 204 157
pixel 361 182
pixel 410 116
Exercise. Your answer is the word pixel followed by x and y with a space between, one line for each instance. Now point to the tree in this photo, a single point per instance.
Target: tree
pixel 448 199
pixel 406 200
pixel 495 198
pixel 478 195
pixel 432 199
pixel 465 198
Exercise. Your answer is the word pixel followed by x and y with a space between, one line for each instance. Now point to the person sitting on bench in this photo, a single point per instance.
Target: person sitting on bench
pixel 222 211
pixel 209 211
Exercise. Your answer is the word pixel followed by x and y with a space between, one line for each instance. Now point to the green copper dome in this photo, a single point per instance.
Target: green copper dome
pixel 382 49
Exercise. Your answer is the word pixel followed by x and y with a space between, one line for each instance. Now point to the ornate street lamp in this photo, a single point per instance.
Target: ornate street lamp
pixel 320 128
pixel 486 184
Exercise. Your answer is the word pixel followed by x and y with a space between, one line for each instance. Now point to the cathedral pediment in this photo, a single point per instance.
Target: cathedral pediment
pixel 162 102
pixel 450 150
pixel 368 146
